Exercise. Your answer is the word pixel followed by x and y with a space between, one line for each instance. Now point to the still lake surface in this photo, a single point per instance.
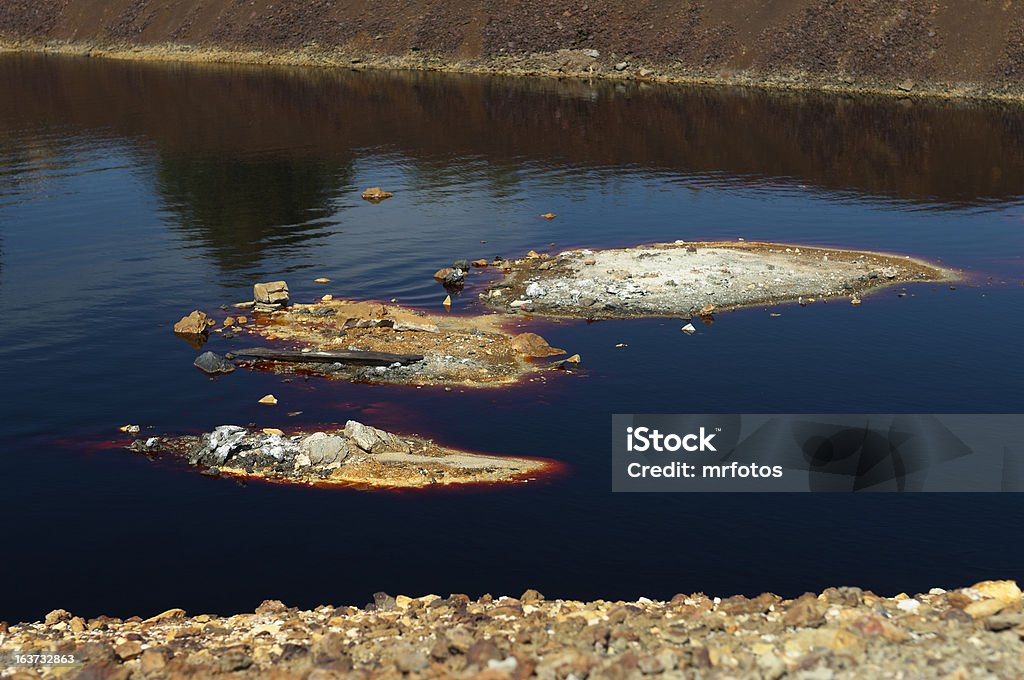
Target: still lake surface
pixel 132 193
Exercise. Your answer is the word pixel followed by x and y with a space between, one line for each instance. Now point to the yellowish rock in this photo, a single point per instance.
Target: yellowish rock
pixel 321 280
pixel 376 194
pixel 269 399
pixel 1004 591
pixel 193 324
pixel 532 345
pixel 272 430
pixel 327 298
pixel 168 615
pixel 548 215
pixel 447 301
pixel 983 609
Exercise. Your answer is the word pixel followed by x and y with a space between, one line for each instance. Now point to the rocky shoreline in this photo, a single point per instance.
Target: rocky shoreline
pixel 560 64
pixel 975 632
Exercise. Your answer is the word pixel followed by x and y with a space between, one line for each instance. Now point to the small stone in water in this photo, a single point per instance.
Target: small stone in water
pixel 269 399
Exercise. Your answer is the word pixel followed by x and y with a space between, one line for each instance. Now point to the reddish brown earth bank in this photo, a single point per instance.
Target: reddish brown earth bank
pixel 961 47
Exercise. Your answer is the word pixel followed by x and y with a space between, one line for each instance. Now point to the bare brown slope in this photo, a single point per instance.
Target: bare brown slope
pixel 955 42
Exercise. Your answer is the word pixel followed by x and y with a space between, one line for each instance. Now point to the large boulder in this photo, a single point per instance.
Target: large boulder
pixel 324 450
pixel 271 293
pixel 532 345
pixel 372 440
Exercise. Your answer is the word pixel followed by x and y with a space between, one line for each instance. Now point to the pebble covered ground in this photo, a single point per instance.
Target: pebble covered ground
pixel 975 632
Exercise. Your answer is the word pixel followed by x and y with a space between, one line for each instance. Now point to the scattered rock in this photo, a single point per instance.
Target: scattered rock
pixel 451 276
pixel 212 363
pixel 447 302
pixel 196 323
pixel 534 346
pixel 689 329
pixel 376 194
pixel 548 215
pixel 269 399
pixel 622 66
pixel 321 280
pixel 272 293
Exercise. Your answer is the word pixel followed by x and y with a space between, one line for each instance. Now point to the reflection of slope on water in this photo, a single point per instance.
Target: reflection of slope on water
pixel 240 211
pixel 930 154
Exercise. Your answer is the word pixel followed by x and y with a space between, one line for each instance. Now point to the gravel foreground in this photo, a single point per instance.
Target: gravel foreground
pixel 975 632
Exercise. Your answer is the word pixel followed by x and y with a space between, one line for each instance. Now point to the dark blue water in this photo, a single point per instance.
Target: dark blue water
pixel 131 194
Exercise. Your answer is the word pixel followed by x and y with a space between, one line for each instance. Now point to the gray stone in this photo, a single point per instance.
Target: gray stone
pixel 622 66
pixel 212 363
pixel 325 450
pixel 372 440
pixel 454 277
pixel 216 447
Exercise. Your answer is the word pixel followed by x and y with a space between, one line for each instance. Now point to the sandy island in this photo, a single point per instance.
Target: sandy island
pixel 689 279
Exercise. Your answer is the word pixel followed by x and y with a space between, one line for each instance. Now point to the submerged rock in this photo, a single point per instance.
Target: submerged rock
pixel 376 194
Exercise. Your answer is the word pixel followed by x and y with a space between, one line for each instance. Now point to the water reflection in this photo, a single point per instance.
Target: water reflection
pixel 947 153
pixel 240 211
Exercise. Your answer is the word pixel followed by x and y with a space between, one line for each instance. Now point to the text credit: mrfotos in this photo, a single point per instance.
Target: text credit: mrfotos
pixel 818 452
pixel 646 439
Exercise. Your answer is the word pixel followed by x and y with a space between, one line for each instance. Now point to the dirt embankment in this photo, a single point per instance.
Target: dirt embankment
pixel 957 47
pixel 975 632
